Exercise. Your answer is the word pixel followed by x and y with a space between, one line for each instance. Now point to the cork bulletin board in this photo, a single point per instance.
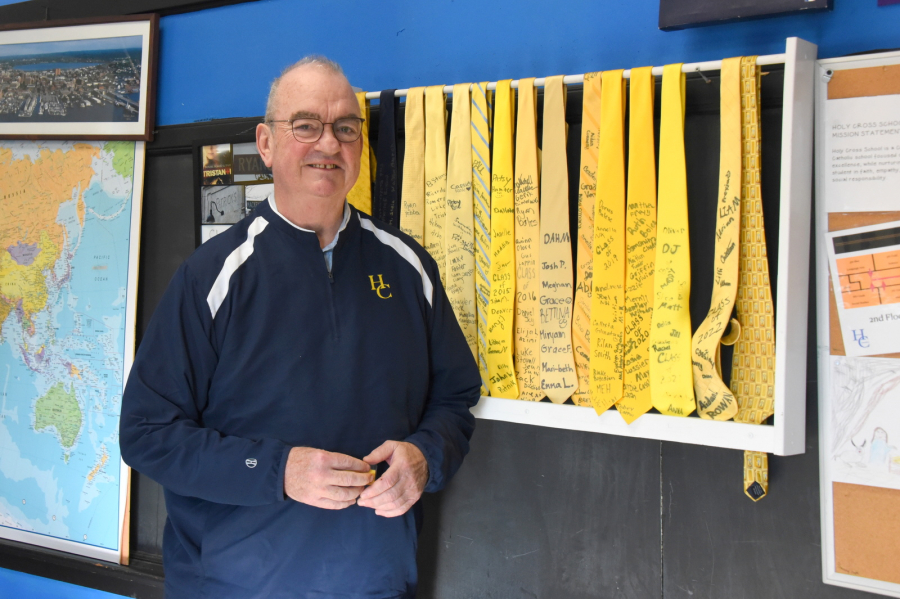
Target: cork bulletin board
pixel 858 192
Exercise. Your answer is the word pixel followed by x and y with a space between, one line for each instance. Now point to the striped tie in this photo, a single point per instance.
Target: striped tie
pixel 481 191
pixel 458 230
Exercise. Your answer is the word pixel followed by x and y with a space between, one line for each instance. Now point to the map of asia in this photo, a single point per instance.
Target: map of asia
pixel 68 240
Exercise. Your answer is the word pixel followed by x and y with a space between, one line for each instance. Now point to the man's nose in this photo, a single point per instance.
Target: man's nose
pixel 328 143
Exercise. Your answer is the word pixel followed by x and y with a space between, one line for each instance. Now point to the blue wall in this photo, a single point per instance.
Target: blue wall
pixel 26 586
pixel 218 63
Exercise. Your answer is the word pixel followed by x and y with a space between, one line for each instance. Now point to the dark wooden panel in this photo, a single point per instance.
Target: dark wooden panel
pixel 139 580
pixel 718 543
pixel 167 228
pixel 679 14
pixel 540 512
pixel 34 11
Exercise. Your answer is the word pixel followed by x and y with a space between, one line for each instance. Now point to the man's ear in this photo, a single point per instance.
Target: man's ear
pixel 265 142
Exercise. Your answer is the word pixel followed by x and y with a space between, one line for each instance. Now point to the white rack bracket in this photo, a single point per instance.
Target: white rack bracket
pixel 787 436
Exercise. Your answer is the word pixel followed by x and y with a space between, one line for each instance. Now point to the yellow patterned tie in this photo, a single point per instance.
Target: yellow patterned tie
pixel 558 378
pixel 590 151
pixel 361 194
pixel 481 193
pixel 671 378
pixel 460 237
pixel 640 243
pixel 436 175
pixel 753 365
pixel 714 399
pixel 412 200
pixel 527 342
pixel 502 376
pixel 608 294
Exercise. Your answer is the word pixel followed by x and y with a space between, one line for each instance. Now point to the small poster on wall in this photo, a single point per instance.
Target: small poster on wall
pixel 231 180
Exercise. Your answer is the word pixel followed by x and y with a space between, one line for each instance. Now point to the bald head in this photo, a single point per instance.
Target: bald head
pixel 309 63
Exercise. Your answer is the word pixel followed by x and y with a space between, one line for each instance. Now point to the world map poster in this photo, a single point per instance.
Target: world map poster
pixel 69 229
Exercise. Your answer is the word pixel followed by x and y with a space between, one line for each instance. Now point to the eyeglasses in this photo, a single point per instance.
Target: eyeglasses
pixel 309 130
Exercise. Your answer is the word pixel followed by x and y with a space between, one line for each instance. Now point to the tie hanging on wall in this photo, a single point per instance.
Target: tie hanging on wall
pixel 590 150
pixel 436 175
pixel 671 380
pixel 501 373
pixel 558 379
pixel 412 207
pixel 527 200
pixel 361 193
pixel 460 239
pixel 753 366
pixel 714 399
pixel 386 193
pixel 608 294
pixel 640 246
pixel 481 194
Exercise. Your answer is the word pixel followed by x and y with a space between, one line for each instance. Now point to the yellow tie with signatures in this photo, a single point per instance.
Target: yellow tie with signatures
pixel 502 376
pixel 361 193
pixel 608 294
pixel 714 399
pixel 459 231
pixel 481 194
pixel 671 378
pixel 412 199
pixel 590 151
pixel 436 175
pixel 527 343
pixel 640 244
pixel 753 365
pixel 558 379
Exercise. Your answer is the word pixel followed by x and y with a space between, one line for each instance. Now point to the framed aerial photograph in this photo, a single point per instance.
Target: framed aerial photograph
pixel 90 79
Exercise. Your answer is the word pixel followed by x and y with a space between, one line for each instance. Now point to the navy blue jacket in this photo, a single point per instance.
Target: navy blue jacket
pixel 254 349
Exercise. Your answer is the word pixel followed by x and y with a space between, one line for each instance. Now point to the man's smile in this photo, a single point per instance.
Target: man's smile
pixel 324 166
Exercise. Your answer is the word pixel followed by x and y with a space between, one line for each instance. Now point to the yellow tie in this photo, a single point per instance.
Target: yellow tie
pixel 714 399
pixel 481 193
pixel 527 342
pixel 412 200
pixel 361 194
pixel 640 244
pixel 502 376
pixel 460 236
pixel 590 149
pixel 608 295
pixel 558 378
pixel 436 175
pixel 671 378
pixel 753 365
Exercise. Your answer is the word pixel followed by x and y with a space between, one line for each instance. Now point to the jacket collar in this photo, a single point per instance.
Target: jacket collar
pixel 284 224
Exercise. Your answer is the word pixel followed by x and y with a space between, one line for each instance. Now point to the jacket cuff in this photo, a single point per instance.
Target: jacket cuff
pixel 432 458
pixel 282 466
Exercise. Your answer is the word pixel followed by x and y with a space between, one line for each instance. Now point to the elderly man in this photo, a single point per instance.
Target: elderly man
pixel 290 356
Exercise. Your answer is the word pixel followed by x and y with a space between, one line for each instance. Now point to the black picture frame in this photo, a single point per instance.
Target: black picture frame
pixel 682 14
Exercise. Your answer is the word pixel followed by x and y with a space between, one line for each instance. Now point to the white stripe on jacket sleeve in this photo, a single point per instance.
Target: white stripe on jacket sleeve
pixel 241 253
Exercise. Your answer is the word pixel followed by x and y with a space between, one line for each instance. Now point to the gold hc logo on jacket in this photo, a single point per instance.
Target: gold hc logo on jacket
pixel 378 285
